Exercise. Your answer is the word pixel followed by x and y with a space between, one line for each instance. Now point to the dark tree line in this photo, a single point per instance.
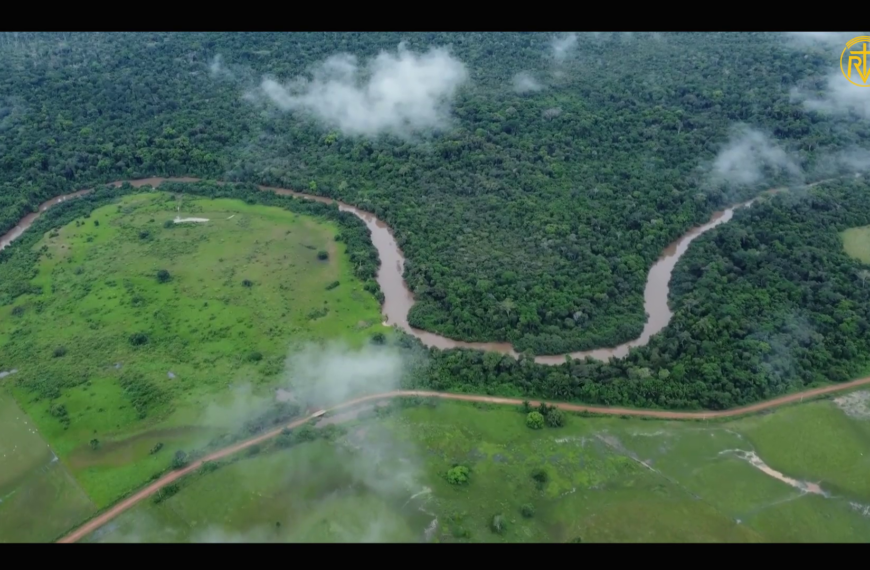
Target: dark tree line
pixel 764 304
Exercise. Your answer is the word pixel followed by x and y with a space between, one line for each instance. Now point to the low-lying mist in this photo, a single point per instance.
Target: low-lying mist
pixel 360 483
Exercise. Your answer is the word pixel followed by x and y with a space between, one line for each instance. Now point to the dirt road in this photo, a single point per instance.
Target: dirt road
pixel 127 503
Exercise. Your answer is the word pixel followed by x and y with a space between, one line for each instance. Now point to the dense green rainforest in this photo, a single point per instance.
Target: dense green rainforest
pixel 532 217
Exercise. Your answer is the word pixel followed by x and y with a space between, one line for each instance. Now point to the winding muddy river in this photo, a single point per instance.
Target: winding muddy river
pixel 399 299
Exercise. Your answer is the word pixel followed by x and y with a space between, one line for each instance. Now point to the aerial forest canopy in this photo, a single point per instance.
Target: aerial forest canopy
pixel 532 213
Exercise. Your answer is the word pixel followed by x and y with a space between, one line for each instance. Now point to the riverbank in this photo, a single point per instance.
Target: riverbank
pixel 398 299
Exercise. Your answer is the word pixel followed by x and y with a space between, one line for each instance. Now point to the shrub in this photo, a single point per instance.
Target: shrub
pixel 95 443
pixel 458 475
pixel 138 339
pixel 540 477
pixel 556 418
pixel 59 351
pixel 332 285
pixel 498 524
pixel 528 511
pixel 322 255
pixel 255 356
pixel 247 283
pixel 535 420
pixel 379 338
pixel 163 276
pixel 166 492
pixel 96 222
pixel 179 460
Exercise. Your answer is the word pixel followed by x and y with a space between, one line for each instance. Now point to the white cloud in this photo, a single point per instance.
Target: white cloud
pixel 562 45
pixel 216 67
pixel 400 94
pixel 329 375
pixel 747 156
pixel 839 97
pixel 524 82
pixel 821 39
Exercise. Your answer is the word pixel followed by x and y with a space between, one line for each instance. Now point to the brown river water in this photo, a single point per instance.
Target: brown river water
pixel 399 299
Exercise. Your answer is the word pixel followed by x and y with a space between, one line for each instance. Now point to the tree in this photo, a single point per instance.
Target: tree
pixel 179 460
pixel 507 305
pixel 95 443
pixel 138 339
pixel 540 477
pixel 555 418
pixel 864 275
pixel 322 255
pixel 535 420
pixel 528 511
pixel 379 338
pixel 498 524
pixel 163 276
pixel 458 475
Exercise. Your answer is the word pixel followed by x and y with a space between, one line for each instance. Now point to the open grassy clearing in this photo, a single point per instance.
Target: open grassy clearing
pixel 856 242
pixel 601 479
pixel 112 362
pixel 38 496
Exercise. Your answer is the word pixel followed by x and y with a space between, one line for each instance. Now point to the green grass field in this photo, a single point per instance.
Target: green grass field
pixel 39 499
pixel 607 480
pixel 856 242
pixel 243 287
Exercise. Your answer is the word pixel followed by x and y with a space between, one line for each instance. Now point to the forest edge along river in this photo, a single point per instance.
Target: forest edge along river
pixel 398 299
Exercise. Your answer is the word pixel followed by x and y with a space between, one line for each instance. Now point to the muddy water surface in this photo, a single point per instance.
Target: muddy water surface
pixel 399 299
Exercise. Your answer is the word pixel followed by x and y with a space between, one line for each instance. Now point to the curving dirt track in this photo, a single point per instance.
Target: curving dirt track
pixel 129 502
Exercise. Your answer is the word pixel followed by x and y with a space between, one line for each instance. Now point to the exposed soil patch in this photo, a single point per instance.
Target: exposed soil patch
pixel 759 464
pixel 855 405
pixel 345 416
